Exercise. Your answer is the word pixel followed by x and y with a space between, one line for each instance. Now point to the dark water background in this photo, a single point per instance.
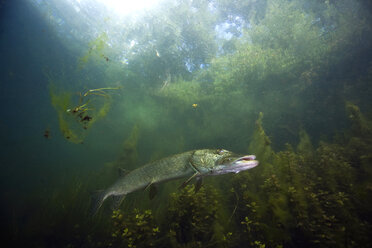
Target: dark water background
pixel 46 182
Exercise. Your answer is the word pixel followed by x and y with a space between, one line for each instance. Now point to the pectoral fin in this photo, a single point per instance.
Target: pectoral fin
pixel 198 184
pixel 116 201
pixel 153 190
pixel 97 199
pixel 188 180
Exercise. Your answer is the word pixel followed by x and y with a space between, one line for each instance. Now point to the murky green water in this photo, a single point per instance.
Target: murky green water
pixel 86 91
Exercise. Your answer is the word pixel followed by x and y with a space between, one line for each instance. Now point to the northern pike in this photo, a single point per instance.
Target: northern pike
pixel 192 164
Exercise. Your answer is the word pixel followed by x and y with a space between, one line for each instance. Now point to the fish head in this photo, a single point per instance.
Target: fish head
pixel 220 161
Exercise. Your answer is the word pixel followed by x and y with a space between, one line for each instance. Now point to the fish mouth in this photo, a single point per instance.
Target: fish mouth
pixel 244 163
pixel 245 159
pixel 237 165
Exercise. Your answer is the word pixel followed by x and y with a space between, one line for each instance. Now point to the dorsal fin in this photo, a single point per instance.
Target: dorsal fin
pixel 122 172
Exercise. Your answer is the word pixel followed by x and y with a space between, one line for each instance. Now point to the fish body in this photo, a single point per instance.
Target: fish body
pixel 191 164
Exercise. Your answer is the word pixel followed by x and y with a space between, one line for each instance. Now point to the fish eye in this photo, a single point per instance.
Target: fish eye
pixel 220 151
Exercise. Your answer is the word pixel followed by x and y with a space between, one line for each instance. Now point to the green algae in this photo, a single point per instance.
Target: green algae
pixel 95 51
pixel 78 112
pixel 61 102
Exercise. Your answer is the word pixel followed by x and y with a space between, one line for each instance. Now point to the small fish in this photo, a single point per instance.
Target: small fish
pixel 195 105
pixel 47 133
pixel 105 57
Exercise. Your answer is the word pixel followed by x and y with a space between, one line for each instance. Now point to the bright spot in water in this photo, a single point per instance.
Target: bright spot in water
pixel 125 7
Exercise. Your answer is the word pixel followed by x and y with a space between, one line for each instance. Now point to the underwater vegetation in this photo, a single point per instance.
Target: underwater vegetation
pixel 135 229
pixel 305 197
pixel 95 51
pixel 302 196
pixel 281 71
pixel 193 218
pixel 290 83
pixel 191 221
pixel 61 102
pixel 74 117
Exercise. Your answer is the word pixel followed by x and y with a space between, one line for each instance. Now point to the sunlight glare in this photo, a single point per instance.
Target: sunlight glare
pixel 125 7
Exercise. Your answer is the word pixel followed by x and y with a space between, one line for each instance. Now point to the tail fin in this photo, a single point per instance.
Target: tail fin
pixel 96 201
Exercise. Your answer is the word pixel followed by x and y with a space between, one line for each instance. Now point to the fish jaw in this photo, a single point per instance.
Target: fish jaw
pixel 235 165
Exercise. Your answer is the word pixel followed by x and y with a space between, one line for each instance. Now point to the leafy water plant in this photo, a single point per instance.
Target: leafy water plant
pixel 136 229
pixel 306 197
pixel 74 117
pixel 61 102
pixel 84 110
pixel 193 218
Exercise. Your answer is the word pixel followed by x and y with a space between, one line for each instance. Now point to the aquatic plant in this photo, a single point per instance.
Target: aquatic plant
pixel 303 194
pixel 311 196
pixel 260 143
pixel 62 102
pixel 96 50
pixel 301 198
pixel 135 229
pixel 74 117
pixel 277 70
pixel 193 219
